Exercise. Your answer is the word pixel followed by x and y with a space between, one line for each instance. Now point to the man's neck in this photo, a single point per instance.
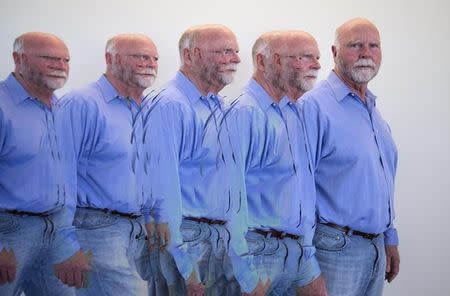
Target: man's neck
pixel 125 90
pixel 274 92
pixel 43 95
pixel 203 87
pixel 359 88
pixel 294 93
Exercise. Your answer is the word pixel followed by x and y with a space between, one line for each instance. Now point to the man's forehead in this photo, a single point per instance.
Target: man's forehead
pixel 136 45
pixel 361 33
pixel 218 36
pixel 48 48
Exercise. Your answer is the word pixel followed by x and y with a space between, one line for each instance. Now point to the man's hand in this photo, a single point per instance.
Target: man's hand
pixel 8 266
pixel 151 235
pixel 163 232
pixel 72 271
pixel 194 286
pixel 315 288
pixel 392 262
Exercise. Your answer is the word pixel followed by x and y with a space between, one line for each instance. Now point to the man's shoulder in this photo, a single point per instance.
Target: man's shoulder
pixel 322 92
pixel 5 95
pixel 87 95
pixel 247 101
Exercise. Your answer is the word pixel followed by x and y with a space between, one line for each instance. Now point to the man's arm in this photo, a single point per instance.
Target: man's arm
pixel 167 140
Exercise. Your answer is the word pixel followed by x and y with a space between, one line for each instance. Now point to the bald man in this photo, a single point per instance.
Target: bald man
pixel 199 157
pixel 278 176
pixel 36 199
pixel 113 207
pixel 354 160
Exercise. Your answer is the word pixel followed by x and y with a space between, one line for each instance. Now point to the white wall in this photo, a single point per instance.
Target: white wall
pixel 411 85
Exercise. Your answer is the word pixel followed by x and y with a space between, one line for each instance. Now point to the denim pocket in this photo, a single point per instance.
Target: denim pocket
pixel 329 241
pixel 8 224
pixel 192 232
pixel 255 246
pixel 94 220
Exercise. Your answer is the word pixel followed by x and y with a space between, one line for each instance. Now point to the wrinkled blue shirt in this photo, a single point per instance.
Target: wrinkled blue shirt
pixel 354 158
pixel 36 159
pixel 278 176
pixel 190 148
pixel 107 134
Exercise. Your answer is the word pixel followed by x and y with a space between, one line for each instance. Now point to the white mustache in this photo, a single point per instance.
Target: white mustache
pixel 148 72
pixel 364 63
pixel 58 73
pixel 232 67
pixel 312 73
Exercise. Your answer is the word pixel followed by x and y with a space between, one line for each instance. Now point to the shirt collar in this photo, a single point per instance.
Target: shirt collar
pixel 187 87
pixel 19 93
pixel 260 94
pixel 284 102
pixel 341 90
pixel 107 89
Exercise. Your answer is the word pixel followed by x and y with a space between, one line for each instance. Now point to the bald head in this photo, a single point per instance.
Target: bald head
pixel 300 62
pixel 267 44
pixel 41 61
pixel 122 42
pixel 354 26
pixel 197 36
pixel 357 51
pixel 209 56
pixel 131 60
pixel 35 41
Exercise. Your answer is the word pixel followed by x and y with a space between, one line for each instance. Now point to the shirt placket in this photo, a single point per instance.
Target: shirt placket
pixel 370 108
pixel 212 111
pixel 55 152
pixel 136 139
pixel 278 110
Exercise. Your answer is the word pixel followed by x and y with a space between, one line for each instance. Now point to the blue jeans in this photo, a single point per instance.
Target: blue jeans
pixel 351 264
pixel 207 245
pixel 32 240
pixel 120 258
pixel 288 263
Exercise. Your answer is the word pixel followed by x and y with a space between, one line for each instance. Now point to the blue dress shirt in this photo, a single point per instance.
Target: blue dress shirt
pixel 280 184
pixel 354 158
pixel 35 158
pixel 191 133
pixel 107 133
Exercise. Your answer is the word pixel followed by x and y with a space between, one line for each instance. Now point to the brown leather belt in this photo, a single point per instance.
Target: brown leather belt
pixel 348 230
pixel 275 233
pixel 206 220
pixel 114 212
pixel 23 213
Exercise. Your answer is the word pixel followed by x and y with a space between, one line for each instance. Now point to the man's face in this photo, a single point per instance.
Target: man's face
pixel 358 55
pixel 300 64
pixel 136 62
pixel 45 64
pixel 219 59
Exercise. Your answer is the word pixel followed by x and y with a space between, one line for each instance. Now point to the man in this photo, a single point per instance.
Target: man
pixel 113 208
pixel 354 159
pixel 35 196
pixel 195 144
pixel 279 181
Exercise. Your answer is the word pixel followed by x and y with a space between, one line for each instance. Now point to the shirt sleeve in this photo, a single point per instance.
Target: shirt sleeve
pixel 65 241
pixel 2 145
pixel 169 138
pixel 315 126
pixel 391 237
pixel 248 134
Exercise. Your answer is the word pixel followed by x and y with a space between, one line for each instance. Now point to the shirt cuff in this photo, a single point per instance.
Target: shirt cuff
pixel 391 237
